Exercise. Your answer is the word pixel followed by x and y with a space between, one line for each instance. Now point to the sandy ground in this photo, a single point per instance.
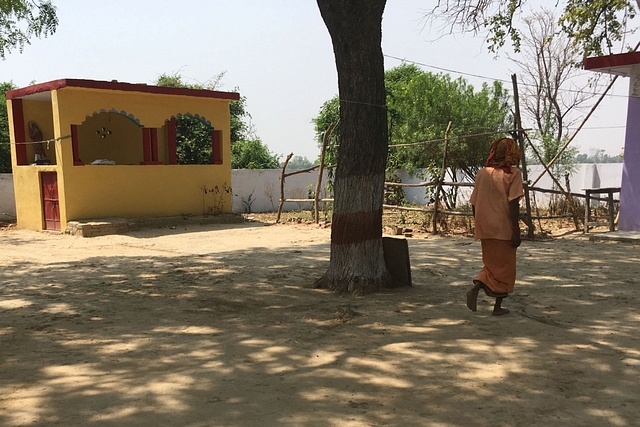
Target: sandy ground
pixel 217 326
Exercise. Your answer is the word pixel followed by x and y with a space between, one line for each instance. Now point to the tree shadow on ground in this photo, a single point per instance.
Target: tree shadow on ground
pixel 239 338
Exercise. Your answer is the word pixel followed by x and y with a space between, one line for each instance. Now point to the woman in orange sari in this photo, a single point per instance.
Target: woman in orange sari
pixel 495 202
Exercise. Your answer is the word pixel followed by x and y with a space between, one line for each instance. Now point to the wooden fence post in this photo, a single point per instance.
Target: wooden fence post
pixel 284 167
pixel 325 140
pixel 566 193
pixel 572 202
pixel 519 131
pixel 443 171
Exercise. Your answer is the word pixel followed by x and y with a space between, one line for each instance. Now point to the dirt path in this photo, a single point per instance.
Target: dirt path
pixel 217 326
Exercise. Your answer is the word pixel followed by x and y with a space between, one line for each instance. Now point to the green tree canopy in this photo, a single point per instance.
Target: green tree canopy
pixel 299 162
pixel 420 105
pixel 238 109
pixel 22 19
pixel 595 26
pixel 193 138
pixel 5 147
pixel 329 114
pixel 252 154
pixel 598 156
pixel 193 141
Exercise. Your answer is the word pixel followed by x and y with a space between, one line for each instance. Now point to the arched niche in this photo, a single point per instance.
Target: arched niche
pixel 192 140
pixel 112 135
pixel 122 113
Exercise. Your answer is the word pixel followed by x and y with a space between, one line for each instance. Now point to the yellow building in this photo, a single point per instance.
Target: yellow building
pixel 112 149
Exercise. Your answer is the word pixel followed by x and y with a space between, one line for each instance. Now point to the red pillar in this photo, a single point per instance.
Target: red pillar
pixel 74 146
pixel 146 146
pixel 150 146
pixel 18 132
pixel 154 145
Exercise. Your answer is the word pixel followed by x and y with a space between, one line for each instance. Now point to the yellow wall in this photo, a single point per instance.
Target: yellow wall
pixel 26 184
pixel 73 105
pixel 98 191
pixel 130 191
pixel 26 178
pixel 150 109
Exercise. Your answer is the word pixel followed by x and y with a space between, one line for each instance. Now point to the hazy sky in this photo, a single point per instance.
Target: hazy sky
pixel 277 53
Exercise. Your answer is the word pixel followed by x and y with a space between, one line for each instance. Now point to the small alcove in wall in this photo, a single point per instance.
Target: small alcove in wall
pixel 110 137
pixel 34 136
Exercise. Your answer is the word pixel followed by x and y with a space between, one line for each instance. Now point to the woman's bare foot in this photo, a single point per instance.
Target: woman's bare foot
pixel 472 299
pixel 500 311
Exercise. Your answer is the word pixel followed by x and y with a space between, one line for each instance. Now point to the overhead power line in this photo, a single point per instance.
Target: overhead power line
pixel 459 137
pixel 463 73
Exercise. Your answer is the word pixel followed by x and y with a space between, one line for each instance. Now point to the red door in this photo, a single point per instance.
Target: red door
pixel 49 182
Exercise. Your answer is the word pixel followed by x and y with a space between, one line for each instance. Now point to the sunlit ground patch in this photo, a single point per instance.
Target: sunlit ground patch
pixel 9 304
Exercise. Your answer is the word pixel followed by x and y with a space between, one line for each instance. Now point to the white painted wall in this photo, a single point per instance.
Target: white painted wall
pixel 7 197
pixel 585 176
pixel 259 190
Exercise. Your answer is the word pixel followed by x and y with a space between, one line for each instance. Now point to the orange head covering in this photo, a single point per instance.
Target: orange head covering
pixel 503 154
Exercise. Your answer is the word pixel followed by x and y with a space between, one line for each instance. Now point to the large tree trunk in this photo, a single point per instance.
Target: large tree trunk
pixel 357 259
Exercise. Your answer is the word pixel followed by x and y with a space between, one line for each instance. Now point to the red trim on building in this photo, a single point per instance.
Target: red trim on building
pixel 154 145
pixel 19 133
pixel 216 147
pixel 612 61
pixel 171 141
pixel 75 147
pixel 146 146
pixel 150 146
pixel 114 85
pixel 50 200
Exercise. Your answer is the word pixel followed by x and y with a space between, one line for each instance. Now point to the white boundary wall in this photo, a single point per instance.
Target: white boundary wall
pixel 259 190
pixel 7 197
pixel 585 176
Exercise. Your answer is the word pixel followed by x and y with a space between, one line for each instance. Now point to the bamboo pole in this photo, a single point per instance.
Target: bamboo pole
pixel 457 137
pixel 443 171
pixel 535 206
pixel 284 167
pixel 459 184
pixel 518 124
pixel 308 200
pixel 538 217
pixel 325 139
pixel 550 191
pixel 578 195
pixel 295 172
pixel 426 210
pixel 429 184
pixel 419 184
pixel 572 202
